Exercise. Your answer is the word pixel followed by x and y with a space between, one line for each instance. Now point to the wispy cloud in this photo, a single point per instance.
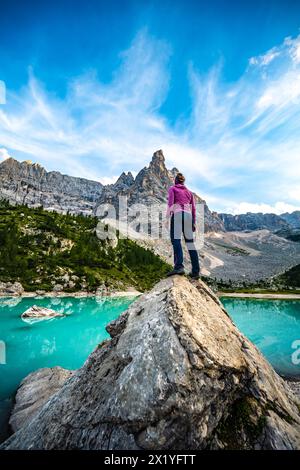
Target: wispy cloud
pixel 244 207
pixel 2 92
pixel 240 143
pixel 4 154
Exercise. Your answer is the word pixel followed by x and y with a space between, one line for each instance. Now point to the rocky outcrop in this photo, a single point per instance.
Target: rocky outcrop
pixel 124 181
pixel 150 187
pixel 33 392
pixel 28 183
pixel 295 387
pixel 36 313
pixel 11 289
pixel 292 219
pixel 177 374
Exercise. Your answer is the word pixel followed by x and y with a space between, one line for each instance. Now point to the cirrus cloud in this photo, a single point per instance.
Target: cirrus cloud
pixel 241 141
pixel 4 155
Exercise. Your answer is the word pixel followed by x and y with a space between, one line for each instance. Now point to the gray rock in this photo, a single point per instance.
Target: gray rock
pixel 102 291
pixel 292 219
pixel 294 386
pixel 177 374
pixel 11 288
pixel 58 288
pixel 252 221
pixel 36 313
pixel 34 391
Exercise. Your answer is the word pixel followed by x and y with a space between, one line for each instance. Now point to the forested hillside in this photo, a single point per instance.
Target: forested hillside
pixel 42 249
pixel 291 277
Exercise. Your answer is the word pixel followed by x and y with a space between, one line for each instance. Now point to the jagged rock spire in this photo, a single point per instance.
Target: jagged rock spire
pixel 157 164
pixel 124 180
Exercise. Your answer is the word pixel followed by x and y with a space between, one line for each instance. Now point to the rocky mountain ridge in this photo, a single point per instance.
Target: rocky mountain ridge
pixel 29 183
pixel 292 218
pixel 239 249
pixel 259 221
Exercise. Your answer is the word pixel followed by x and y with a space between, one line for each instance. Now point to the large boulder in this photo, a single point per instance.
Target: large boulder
pixel 34 391
pixel 177 374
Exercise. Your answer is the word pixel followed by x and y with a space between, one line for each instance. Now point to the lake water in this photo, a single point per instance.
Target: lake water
pixel 273 325
pixel 65 341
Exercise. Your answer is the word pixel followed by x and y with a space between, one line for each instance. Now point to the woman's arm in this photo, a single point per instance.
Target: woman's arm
pixel 193 211
pixel 170 202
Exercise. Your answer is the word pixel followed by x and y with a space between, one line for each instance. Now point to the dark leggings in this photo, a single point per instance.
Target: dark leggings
pixel 182 223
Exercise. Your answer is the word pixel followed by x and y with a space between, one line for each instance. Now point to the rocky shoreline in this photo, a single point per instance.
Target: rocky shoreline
pixel 15 289
pixel 259 296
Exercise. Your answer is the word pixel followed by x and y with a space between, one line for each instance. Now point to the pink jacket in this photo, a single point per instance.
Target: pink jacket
pixel 181 199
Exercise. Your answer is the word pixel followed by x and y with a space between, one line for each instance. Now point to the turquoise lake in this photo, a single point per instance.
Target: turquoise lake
pixel 273 325
pixel 65 341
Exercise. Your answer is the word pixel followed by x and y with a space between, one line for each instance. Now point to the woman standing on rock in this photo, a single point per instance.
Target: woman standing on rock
pixel 182 211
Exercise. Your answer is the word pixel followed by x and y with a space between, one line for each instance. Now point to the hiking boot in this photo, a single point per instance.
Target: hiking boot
pixel 175 271
pixel 194 275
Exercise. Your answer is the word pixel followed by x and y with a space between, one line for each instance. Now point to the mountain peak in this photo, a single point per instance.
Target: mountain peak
pixel 124 181
pixel 158 156
pixel 8 162
pixel 157 163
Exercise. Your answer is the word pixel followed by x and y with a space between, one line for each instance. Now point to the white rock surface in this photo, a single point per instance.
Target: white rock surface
pixel 11 289
pixel 36 313
pixel 34 391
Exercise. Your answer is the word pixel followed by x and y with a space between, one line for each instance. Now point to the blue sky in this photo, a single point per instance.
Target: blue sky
pixel 95 87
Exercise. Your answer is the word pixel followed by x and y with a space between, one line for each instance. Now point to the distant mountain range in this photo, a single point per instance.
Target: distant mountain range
pixel 260 221
pixel 29 183
pixel 243 247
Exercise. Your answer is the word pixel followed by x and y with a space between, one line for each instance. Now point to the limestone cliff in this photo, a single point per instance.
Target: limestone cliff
pixel 177 374
pixel 27 183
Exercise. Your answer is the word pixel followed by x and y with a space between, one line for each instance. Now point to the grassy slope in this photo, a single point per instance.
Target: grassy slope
pixel 38 248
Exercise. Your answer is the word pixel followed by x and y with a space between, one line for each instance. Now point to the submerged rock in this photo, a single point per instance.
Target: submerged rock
pixel 35 313
pixel 177 374
pixel 34 391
